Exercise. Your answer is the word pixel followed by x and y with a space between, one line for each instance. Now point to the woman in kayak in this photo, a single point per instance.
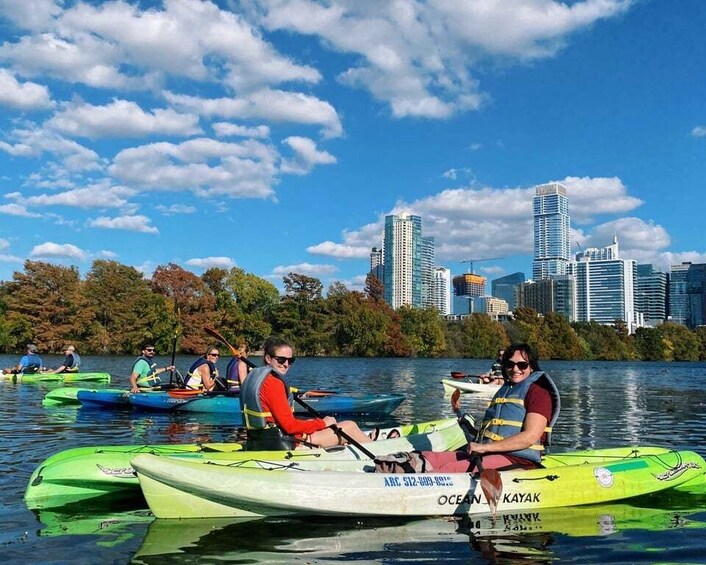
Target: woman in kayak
pixel 203 373
pixel 516 426
pixel 268 404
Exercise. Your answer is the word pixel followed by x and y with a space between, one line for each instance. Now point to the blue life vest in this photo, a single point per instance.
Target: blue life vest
pixel 506 414
pixel 263 435
pixel 150 379
pixel 34 364
pixel 193 379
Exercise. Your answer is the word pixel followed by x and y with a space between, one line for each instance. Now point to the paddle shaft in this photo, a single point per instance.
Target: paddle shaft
pixel 174 344
pixel 335 428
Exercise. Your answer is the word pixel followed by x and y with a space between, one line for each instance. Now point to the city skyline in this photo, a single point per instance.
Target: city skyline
pixel 276 136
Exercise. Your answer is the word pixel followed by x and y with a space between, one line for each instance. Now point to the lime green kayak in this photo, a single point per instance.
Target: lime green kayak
pixel 56 377
pixel 86 473
pixel 178 488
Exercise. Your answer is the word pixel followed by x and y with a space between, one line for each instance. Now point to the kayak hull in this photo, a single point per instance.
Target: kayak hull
pixel 57 377
pixel 87 473
pixel 179 488
pixel 468 387
pixel 335 405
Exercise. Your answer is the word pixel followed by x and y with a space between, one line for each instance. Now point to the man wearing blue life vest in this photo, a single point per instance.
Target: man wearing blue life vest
pixel 145 374
pixel 71 361
pixel 29 363
pixel 515 429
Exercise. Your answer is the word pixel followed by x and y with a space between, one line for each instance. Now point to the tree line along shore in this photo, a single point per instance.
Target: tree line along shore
pixel 114 309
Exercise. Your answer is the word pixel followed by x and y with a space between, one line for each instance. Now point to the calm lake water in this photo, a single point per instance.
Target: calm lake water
pixel 604 405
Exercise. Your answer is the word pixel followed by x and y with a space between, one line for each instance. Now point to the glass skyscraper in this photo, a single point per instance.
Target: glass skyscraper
pixel 408 259
pixel 504 288
pixel 552 247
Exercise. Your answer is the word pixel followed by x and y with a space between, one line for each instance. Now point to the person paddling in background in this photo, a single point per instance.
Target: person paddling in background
pixel 145 374
pixel 29 363
pixel 515 429
pixel 71 361
pixel 268 405
pixel 495 375
pixel 203 373
pixel 237 369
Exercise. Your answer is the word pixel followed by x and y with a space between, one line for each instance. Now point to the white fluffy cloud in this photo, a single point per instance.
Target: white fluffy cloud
pixel 51 250
pixel 225 129
pixel 129 223
pixel 93 196
pixel 211 262
pixel 121 118
pixel 306 156
pixel 23 95
pixel 308 269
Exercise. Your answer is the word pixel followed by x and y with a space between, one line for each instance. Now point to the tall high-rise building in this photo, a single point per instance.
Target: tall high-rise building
pixel 687 294
pixel 377 267
pixel 428 255
pixel 651 295
pixel 605 288
pixel 552 248
pixel 504 287
pixel 442 290
pixel 548 295
pixel 408 260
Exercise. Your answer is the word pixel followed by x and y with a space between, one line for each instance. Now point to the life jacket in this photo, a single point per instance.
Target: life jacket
pixel 193 378
pixel 232 380
pixel 34 364
pixel 150 379
pixel 506 414
pixel 75 362
pixel 263 435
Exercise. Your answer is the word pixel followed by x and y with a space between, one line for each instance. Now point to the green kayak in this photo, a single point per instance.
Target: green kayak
pixel 56 377
pixel 86 473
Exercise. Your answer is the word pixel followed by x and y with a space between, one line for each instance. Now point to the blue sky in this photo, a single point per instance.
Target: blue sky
pixel 276 135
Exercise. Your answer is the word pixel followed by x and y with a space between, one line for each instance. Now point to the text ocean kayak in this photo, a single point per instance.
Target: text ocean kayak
pixel 56 377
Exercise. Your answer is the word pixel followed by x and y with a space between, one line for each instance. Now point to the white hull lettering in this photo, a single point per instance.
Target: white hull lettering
pixel 520 497
pixel 458 499
pixel 677 471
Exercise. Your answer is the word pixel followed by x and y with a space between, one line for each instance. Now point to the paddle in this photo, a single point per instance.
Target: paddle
pixel 491 482
pixel 174 345
pixel 336 428
pixel 234 350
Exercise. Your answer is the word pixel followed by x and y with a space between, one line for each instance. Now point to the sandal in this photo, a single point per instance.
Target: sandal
pixel 395 433
pixel 374 434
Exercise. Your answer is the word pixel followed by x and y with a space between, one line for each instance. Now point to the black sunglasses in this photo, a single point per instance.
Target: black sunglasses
pixel 282 360
pixel 521 365
pixel 149 348
pixel 215 354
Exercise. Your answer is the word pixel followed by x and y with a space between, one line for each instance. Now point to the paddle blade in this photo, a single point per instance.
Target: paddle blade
pixel 491 483
pixel 318 393
pixel 455 404
pixel 224 341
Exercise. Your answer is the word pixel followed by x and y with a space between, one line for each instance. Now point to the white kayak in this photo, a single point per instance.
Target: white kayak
pixel 178 488
pixel 483 389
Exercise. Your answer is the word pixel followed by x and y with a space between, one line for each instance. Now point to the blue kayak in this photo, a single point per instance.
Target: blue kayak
pixel 108 398
pixel 335 405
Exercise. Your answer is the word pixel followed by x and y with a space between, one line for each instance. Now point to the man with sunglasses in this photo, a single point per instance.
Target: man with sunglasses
pixel 145 374
pixel 516 426
pixel 267 401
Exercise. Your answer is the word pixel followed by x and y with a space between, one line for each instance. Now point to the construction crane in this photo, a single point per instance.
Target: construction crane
pixel 471 261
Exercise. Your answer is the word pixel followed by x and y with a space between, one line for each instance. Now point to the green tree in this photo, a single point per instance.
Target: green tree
pixel 680 343
pixel 649 344
pixel 482 336
pixel 123 308
pixel 558 338
pixel 424 331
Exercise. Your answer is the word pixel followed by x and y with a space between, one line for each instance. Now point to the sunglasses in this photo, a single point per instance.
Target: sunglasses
pixel 214 354
pixel 149 349
pixel 521 365
pixel 282 360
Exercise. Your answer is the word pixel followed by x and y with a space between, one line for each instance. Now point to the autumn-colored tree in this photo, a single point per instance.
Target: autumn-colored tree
pixel 482 336
pixel 193 302
pixel 46 305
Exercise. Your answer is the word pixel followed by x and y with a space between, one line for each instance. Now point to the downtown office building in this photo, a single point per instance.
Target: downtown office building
pixel 552 248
